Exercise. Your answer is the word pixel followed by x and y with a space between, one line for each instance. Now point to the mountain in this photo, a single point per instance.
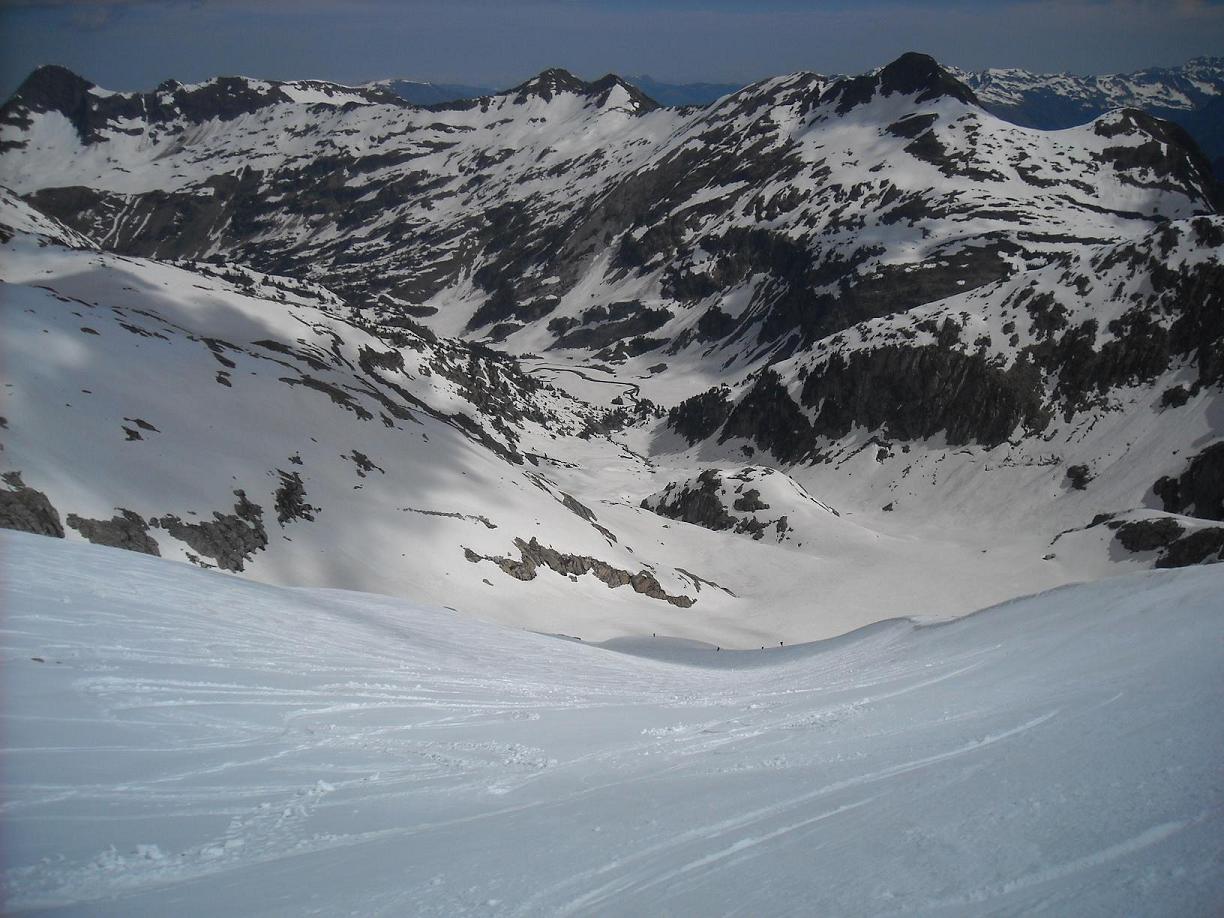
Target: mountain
pixel 1189 95
pixel 1062 100
pixel 790 210
pixel 262 751
pixel 427 93
pixel 825 352
pixel 1084 377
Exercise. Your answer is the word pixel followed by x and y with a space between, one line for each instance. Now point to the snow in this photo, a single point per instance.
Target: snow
pixel 178 741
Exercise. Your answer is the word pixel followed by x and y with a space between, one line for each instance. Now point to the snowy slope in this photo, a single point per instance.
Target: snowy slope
pixel 1043 401
pixel 141 397
pixel 181 742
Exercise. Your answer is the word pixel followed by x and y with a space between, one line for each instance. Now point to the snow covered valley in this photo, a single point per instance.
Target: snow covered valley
pixel 591 502
pixel 184 742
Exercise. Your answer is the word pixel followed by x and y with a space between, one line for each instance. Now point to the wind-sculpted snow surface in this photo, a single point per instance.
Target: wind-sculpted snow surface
pixel 179 742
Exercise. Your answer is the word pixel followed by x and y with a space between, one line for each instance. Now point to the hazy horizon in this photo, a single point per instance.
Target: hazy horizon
pixel 137 44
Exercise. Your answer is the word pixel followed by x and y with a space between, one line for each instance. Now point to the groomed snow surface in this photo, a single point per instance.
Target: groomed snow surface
pixel 178 742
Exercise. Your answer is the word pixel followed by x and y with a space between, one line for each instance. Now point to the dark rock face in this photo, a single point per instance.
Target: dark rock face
pixel 291 499
pixel 915 392
pixel 533 555
pixel 47 89
pixel 1177 547
pixel 1203 546
pixel 750 501
pixel 910 74
pixel 230 539
pixel 700 506
pixel 1149 535
pixel 28 510
pixel 708 499
pixel 920 73
pixel 606 326
pixel 1199 490
pixel 700 416
pixel 1198 329
pixel 769 417
pixel 572 504
pixel 1079 476
pixel 126 529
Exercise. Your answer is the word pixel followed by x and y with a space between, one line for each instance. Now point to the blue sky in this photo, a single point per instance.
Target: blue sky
pixel 135 45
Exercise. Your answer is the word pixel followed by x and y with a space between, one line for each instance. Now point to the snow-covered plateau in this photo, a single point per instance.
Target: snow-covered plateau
pixel 184 742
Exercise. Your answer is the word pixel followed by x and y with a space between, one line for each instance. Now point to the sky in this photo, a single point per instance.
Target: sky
pixel 498 43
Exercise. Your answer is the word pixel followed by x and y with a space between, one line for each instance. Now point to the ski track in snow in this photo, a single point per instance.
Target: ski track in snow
pixel 196 744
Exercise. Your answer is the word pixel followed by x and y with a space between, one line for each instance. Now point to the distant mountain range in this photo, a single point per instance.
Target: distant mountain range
pixel 675 94
pixel 1189 95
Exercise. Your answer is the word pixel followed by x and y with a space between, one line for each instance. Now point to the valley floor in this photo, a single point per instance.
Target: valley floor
pixel 182 742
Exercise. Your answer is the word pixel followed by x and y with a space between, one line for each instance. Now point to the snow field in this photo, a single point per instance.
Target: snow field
pixel 191 743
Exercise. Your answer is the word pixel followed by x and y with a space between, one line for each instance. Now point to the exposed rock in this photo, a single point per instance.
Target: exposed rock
pixel 1177 546
pixel 1199 490
pixel 700 416
pixel 1149 535
pixel 471 517
pixel 912 393
pixel 769 417
pixel 362 461
pixel 1197 547
pixel 571 503
pixel 126 529
pixel 533 555
pixel 230 539
pixel 28 510
pixel 291 499
pixel 701 506
pixel 1079 477
pixel 750 501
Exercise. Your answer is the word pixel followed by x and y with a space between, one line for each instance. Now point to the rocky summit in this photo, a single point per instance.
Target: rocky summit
pixel 825 351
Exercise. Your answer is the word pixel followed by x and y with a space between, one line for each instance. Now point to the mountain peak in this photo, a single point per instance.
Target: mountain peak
pixel 52 88
pixel 549 83
pixel 914 72
pixel 556 81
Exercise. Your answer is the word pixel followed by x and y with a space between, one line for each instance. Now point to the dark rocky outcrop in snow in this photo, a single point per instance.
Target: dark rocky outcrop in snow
pixel 1177 545
pixel 700 416
pixel 290 499
pixel 126 529
pixel 1199 490
pixel 231 539
pixel 533 555
pixel 700 505
pixel 28 510
pixel 723 500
